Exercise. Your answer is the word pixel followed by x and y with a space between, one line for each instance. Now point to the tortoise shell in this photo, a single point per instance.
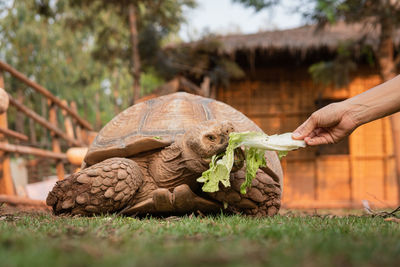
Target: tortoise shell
pixel 155 123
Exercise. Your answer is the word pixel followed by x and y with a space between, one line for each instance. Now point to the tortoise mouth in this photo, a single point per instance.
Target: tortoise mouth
pixel 238 162
pixel 221 150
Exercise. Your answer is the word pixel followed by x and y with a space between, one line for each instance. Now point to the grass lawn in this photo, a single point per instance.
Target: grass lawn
pixel 285 240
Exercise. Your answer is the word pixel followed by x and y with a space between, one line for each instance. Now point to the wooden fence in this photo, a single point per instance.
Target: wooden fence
pixel 63 123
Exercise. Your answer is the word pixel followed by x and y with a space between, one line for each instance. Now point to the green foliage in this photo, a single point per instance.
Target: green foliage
pixel 150 80
pixel 381 14
pixel 108 21
pixel 44 240
pixel 362 11
pixel 258 4
pixel 79 50
pixel 327 9
pixel 337 71
pixel 58 58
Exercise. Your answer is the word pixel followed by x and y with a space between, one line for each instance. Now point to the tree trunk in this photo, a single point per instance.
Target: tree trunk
pixel 387 66
pixel 44 140
pixel 205 86
pixel 135 58
pixel 98 111
pixel 116 97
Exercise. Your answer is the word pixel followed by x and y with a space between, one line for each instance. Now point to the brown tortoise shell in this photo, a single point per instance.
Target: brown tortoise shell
pixel 155 123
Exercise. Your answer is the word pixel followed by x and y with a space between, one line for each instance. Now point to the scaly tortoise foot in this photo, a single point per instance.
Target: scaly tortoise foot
pixel 102 188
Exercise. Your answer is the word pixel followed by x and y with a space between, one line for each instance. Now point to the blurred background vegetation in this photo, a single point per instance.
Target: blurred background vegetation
pixel 80 50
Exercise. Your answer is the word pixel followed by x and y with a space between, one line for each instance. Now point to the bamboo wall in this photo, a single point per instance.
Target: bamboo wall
pixel 279 100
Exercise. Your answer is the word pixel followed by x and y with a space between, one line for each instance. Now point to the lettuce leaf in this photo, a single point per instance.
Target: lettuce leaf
pixel 255 145
pixel 254 160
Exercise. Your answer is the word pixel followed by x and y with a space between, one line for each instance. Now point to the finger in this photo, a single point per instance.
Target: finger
pixel 319 131
pixel 305 129
pixel 311 135
pixel 314 133
pixel 319 140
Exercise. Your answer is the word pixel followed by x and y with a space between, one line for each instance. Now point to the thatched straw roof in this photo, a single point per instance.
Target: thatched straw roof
pixel 300 39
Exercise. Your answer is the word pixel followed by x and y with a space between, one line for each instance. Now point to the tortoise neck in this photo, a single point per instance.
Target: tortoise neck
pixel 170 168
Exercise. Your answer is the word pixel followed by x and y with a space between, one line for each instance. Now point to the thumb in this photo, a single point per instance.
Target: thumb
pixel 305 129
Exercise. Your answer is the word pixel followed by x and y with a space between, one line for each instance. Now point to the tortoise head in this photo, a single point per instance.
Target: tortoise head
pixel 203 141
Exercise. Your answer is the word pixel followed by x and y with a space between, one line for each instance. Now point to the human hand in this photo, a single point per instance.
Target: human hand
pixel 327 125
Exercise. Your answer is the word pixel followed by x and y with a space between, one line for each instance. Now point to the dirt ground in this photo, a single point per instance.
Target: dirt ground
pixel 6 209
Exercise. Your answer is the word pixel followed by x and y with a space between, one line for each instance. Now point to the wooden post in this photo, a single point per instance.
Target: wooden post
pixel 32 132
pixel 205 87
pixel 55 141
pixel 4 101
pixel 6 183
pixel 67 122
pixel 19 116
pixel 78 129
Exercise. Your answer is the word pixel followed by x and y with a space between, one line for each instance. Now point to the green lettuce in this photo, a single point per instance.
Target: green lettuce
pixel 255 145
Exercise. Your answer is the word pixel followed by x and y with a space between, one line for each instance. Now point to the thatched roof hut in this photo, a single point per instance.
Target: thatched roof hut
pixel 302 46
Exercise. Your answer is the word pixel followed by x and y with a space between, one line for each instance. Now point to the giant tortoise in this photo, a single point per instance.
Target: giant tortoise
pixel 147 159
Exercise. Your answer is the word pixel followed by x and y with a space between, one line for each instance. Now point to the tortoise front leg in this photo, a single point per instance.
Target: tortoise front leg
pixel 180 201
pixel 105 187
pixel 186 201
pixel 262 199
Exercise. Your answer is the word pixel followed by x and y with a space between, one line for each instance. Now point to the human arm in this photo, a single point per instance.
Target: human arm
pixel 332 123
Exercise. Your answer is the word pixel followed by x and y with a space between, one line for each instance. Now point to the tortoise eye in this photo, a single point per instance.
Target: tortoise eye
pixel 211 137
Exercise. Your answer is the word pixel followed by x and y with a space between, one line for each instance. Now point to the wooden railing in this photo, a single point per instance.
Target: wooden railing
pixel 74 130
